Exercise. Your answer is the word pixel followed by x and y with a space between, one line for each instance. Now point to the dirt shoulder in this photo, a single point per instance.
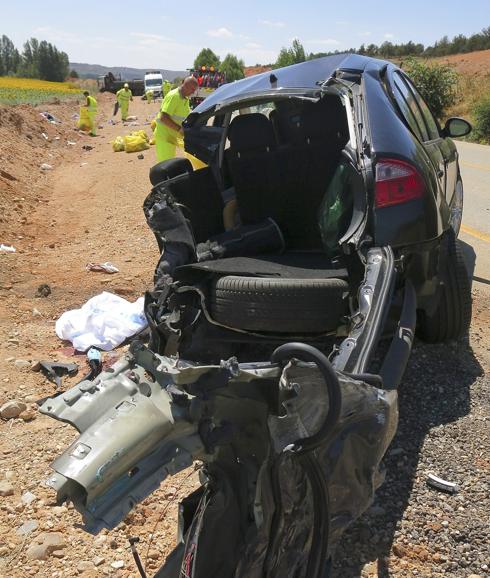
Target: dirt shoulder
pixel 89 208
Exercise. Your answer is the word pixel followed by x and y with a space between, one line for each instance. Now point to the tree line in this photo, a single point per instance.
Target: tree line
pixel 443 47
pixel 231 65
pixel 39 59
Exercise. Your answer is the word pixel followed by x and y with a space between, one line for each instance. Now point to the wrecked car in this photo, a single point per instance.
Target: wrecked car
pixel 294 271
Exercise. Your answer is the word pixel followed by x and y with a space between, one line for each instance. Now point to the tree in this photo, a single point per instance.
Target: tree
pixel 232 67
pixel 73 73
pixel 207 58
pixel 293 55
pixel 9 57
pixel 437 83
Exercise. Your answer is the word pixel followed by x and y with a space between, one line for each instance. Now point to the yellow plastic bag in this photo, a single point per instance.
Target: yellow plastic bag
pixel 118 144
pixel 84 122
pixel 134 143
pixel 140 133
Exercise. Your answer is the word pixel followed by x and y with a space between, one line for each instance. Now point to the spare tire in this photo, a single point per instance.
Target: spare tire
pixel 278 305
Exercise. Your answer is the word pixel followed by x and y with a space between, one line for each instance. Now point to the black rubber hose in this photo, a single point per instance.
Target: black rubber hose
pixel 308 353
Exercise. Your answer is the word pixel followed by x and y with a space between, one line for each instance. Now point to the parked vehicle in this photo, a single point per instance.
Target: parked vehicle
pixel 113 83
pixel 295 270
pixel 208 79
pixel 154 82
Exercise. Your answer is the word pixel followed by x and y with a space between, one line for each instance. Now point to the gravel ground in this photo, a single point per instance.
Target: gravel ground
pixel 413 529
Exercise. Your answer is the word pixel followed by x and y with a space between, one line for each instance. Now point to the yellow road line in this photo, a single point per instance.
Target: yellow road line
pixel 475 166
pixel 475 233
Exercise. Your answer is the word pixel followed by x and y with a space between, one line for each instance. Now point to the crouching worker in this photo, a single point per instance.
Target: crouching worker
pixel 175 108
pixel 149 96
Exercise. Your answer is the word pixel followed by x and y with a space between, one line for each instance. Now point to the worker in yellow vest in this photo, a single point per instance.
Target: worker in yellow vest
pixel 166 86
pixel 149 96
pixel 175 108
pixel 124 95
pixel 91 108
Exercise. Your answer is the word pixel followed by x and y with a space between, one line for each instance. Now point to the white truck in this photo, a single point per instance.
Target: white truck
pixel 153 82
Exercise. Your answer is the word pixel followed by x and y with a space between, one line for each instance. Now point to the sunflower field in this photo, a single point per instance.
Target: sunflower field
pixel 32 91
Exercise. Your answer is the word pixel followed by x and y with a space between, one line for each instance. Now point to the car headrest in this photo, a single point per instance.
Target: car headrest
pixel 324 119
pixel 252 131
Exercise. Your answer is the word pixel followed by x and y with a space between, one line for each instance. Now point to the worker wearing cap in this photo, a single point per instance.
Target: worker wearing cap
pixel 149 96
pixel 91 106
pixel 175 108
pixel 123 97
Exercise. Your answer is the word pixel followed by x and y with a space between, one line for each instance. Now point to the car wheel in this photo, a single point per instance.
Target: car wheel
pixel 452 316
pixel 278 305
pixel 456 208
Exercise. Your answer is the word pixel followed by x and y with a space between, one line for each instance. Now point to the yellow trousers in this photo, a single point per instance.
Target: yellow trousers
pixel 124 106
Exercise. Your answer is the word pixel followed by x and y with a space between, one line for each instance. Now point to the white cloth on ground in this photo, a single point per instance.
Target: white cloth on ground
pixel 105 321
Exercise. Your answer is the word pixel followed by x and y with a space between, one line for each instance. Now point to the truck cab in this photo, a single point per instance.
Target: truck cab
pixel 153 81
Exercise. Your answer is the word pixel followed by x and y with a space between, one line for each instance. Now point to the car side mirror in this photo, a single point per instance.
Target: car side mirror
pixel 456 127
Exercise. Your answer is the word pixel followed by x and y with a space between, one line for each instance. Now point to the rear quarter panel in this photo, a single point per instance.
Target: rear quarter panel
pixel 415 221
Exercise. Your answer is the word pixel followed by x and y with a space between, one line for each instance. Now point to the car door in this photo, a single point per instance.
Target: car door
pixel 428 134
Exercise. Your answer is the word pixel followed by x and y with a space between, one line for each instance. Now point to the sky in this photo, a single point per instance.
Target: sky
pixel 169 34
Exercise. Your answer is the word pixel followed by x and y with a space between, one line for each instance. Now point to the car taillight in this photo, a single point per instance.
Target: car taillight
pixel 397 182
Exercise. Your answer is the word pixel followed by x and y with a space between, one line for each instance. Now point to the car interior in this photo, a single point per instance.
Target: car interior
pixel 280 163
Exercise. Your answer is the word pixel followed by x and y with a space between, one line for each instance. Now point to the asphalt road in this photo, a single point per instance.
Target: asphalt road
pixel 475 229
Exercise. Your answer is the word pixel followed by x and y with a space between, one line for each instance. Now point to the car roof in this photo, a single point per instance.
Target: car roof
pixel 305 75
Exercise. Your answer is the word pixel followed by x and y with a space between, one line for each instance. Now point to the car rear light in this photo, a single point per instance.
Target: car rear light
pixel 397 182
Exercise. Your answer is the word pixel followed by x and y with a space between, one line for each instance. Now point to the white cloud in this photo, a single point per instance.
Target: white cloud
pixel 220 33
pixel 389 36
pixel 365 33
pixel 57 36
pixel 272 24
pixel 325 42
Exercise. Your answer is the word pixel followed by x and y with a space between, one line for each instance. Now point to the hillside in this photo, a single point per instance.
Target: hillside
pixel 94 70
pixel 471 63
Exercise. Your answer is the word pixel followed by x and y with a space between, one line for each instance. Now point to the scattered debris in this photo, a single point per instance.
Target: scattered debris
pixel 12 409
pixel 27 498
pixel 71 143
pixel 27 528
pixel 45 136
pixel 106 267
pixel 87 147
pixel 44 290
pixel 50 118
pixel 141 157
pixel 36 313
pixel 46 167
pixel 55 371
pixel 118 564
pixel 7 248
pixel 443 485
pixel 7 175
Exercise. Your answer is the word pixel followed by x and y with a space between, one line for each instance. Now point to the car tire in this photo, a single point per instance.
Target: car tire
pixel 278 305
pixel 452 316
